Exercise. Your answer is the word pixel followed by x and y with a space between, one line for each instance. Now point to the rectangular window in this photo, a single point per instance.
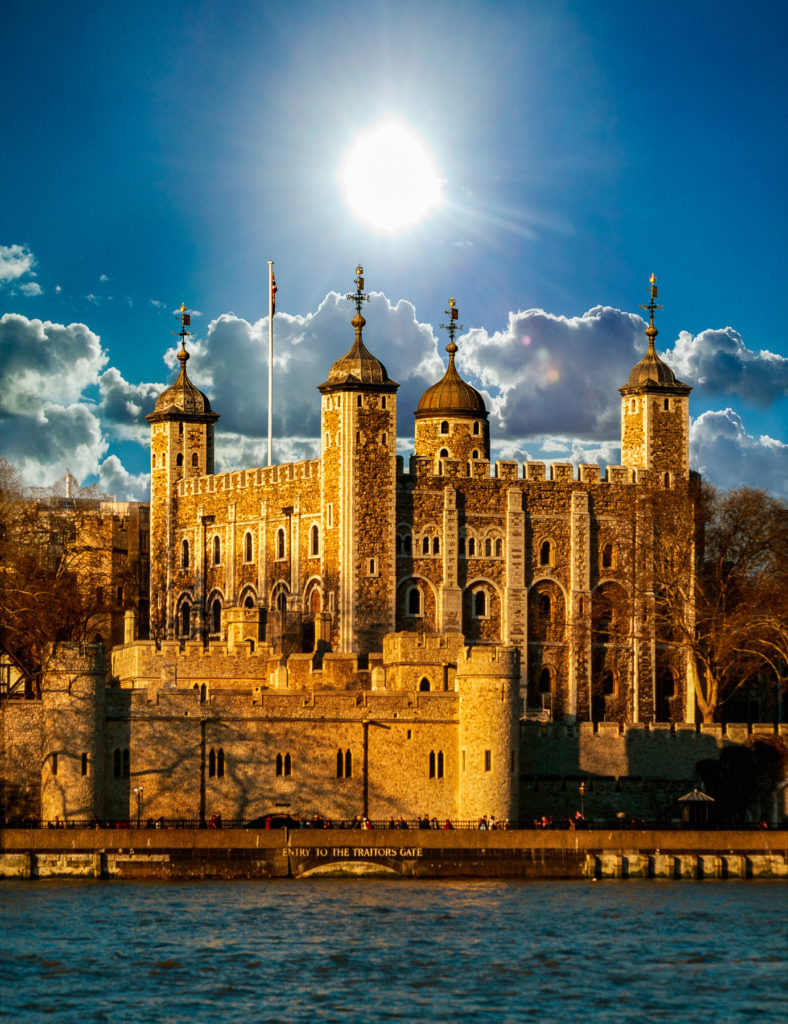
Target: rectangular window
pixel 488 760
pixel 84 764
pixel 463 760
pixel 54 764
pixel 329 516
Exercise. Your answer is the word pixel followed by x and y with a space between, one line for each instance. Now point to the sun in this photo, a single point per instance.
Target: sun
pixel 389 180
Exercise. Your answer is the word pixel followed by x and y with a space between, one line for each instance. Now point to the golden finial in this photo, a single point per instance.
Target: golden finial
pixel 652 307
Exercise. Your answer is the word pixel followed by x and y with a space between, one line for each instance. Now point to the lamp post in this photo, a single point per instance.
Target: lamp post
pixel 138 790
pixel 582 791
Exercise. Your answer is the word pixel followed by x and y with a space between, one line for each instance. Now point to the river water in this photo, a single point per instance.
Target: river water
pixel 363 951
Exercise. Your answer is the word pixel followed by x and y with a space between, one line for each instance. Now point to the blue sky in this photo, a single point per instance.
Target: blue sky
pixel 162 152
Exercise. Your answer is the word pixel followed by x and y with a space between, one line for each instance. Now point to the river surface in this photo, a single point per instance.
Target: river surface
pixel 359 951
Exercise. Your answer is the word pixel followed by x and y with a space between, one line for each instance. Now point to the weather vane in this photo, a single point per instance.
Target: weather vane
pixel 358 295
pixel 186 321
pixel 452 326
pixel 652 307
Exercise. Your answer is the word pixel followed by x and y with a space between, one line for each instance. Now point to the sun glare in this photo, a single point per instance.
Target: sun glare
pixel 389 180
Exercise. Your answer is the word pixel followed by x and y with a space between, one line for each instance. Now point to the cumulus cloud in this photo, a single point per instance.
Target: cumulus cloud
pixel 545 373
pixel 31 288
pixel 47 426
pixel 124 486
pixel 123 406
pixel 15 262
pixel 722 450
pixel 719 363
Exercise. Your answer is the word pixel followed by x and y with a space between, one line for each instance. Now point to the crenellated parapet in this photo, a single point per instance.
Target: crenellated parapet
pixel 422 469
pixel 243 479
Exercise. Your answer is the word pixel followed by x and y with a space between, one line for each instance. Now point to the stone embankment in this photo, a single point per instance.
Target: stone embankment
pixel 282 853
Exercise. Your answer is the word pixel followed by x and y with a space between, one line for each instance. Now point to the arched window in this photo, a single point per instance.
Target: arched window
pixel 279 764
pixel 220 764
pixel 195 460
pixel 358 401
pixel 203 692
pixel 608 684
pixel 212 763
pixel 607 556
pixel 432 764
pixel 179 459
pixel 348 765
pixel 436 546
pixel 414 601
pixel 546 552
pixel 445 427
pixel 288 764
pixel 545 606
pixel 439 765
pixel 186 619
pixel 443 453
pixel 185 554
pixel 476 428
pixel 487 547
pixel 545 681
pixel 424 685
pixel 153 461
pixel 217 550
pixel 54 764
pixel 314 542
pixel 666 479
pixel 498 547
pixel 471 547
pixel 475 454
pixel 340 765
pixel 281 600
pixel 216 616
pixel 666 690
pixel 280 543
pixel 425 545
pixel 249 601
pixel 248 546
pixel 163 459
pixel 383 402
pixel 480 604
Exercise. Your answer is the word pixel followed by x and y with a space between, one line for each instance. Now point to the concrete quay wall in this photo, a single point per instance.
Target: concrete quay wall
pixel 281 853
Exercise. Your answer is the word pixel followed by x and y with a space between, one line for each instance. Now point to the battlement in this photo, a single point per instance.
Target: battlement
pixel 76 659
pixel 489 660
pixel 422 648
pixel 241 479
pixel 423 468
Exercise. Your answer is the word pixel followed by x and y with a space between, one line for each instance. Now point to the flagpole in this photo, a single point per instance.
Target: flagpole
pixel 270 361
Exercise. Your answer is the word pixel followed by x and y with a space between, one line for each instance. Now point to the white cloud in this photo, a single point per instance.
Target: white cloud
pixel 15 262
pixel 116 480
pixel 157 304
pixel 719 363
pixel 723 451
pixel 103 278
pixel 31 288
pixel 123 406
pixel 547 373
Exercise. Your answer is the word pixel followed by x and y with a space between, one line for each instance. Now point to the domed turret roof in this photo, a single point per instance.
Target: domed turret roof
pixel 651 373
pixel 358 366
pixel 451 396
pixel 183 396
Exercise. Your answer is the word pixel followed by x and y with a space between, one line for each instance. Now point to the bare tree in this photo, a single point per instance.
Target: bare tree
pixel 59 574
pixel 721 587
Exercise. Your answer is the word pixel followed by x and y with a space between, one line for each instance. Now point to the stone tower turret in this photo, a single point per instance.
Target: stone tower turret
pixel 655 413
pixel 359 434
pixel 73 704
pixel 451 418
pixel 487 682
pixel 182 445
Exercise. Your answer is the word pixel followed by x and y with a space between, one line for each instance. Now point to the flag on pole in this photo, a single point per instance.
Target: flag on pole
pixel 273 293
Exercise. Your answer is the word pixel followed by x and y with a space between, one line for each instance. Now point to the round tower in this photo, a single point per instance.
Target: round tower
pixel 655 412
pixel 487 682
pixel 182 445
pixel 451 418
pixel 73 704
